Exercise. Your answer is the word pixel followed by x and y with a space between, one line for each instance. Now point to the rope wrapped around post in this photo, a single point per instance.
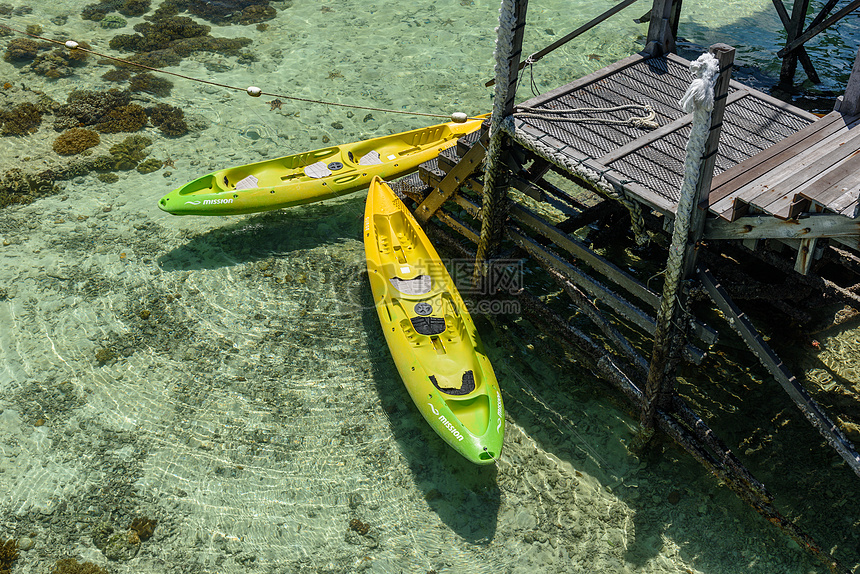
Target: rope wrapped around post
pixel 698 100
pixel 581 169
pixel 494 196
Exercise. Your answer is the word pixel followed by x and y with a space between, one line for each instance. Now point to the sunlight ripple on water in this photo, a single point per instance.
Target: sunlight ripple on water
pixel 227 378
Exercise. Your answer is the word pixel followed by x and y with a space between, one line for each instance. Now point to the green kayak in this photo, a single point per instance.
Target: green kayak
pixel 431 336
pixel 313 176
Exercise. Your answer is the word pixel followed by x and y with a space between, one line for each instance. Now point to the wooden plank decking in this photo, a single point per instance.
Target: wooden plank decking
pixel 816 169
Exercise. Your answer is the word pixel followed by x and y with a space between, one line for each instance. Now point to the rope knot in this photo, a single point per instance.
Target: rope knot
pixel 700 94
pixel 648 121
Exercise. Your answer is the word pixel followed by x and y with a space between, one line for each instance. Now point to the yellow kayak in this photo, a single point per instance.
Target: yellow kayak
pixel 314 175
pixel 429 331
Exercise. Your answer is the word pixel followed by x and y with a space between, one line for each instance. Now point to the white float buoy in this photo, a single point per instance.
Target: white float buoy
pixel 459 117
pixel 254 91
pixel 71 44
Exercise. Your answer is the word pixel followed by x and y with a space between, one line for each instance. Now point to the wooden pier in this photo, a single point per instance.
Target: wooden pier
pixel 772 180
pixel 648 164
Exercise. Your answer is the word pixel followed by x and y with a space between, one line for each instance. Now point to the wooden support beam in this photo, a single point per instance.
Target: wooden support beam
pixel 610 331
pixel 646 17
pixel 460 227
pixel 597 289
pixel 807 405
pixel 767 227
pixel 619 305
pixel 700 429
pixel 793 30
pixel 849 103
pixel 802 56
pixel 663 27
pixel 528 182
pixel 561 199
pixel 825 10
pixel 800 39
pixel 805 255
pixel 524 216
pixel 618 276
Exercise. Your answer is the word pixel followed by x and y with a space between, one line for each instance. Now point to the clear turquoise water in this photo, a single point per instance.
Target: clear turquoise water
pixel 247 400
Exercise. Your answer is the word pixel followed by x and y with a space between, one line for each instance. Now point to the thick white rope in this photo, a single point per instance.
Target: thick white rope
pixel 699 100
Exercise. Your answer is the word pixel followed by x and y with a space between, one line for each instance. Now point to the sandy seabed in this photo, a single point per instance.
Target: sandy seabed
pixel 227 378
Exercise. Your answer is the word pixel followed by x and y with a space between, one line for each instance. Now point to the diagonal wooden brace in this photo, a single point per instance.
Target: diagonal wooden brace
pixel 800 51
pixel 451 182
pixel 771 361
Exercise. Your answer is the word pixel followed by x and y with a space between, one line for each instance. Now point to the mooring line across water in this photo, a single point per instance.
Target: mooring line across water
pixel 252 91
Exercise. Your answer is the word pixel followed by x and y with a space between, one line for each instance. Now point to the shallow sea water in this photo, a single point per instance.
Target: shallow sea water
pixel 228 378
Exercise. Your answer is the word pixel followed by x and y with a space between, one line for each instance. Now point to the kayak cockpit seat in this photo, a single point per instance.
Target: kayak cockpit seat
pixel 428 325
pixel 424 331
pixel 370 158
pixel 467 384
pixel 248 182
pixel 418 285
pixel 317 170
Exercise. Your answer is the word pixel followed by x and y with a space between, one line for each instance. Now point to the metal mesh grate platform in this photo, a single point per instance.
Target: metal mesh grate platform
pixel 650 162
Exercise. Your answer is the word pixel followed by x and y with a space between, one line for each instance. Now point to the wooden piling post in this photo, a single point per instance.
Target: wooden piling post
pixel 800 51
pixel 663 26
pixel 509 45
pixel 849 103
pixel 725 55
pixel 793 29
pixel 659 387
